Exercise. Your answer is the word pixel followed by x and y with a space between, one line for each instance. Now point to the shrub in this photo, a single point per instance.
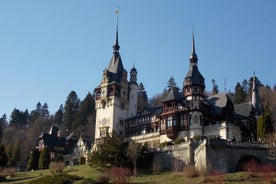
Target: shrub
pixel 60 158
pixel 4 172
pixel 251 166
pixel 56 179
pixel 82 160
pixel 56 167
pixel 120 175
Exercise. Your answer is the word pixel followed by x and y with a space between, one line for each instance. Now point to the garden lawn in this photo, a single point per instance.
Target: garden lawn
pixel 86 172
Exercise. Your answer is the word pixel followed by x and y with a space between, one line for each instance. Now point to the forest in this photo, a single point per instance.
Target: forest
pixel 19 132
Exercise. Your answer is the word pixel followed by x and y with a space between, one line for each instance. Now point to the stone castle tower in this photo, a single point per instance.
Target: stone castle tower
pixel 193 91
pixel 116 97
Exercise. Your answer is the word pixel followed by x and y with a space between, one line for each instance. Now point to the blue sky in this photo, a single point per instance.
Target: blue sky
pixel 49 48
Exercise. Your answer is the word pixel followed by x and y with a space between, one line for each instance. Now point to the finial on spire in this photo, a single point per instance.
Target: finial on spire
pixel 117 13
pixel 193 57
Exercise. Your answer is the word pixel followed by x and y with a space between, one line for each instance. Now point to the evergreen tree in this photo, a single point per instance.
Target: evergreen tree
pixel 86 108
pixel 40 112
pixel 3 124
pixel 59 116
pixel 245 86
pixel 44 159
pixel 171 85
pixel 215 87
pixel 33 160
pixel 14 154
pixel 239 96
pixel 142 100
pixel 3 156
pixel 265 123
pixel 70 110
pixel 250 83
pixel 112 152
pixel 19 119
pixel 45 112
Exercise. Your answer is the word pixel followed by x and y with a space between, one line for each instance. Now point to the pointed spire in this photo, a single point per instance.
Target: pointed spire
pixel 116 65
pixel 256 102
pixel 193 57
pixel 116 46
pixel 254 87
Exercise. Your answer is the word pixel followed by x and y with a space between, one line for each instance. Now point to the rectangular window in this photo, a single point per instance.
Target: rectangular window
pixel 181 121
pixel 169 121
pixel 174 121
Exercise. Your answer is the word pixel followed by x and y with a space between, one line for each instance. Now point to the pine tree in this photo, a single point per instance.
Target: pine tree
pixel 19 119
pixel 245 86
pixel 142 100
pixel 44 159
pixel 70 110
pixel 45 112
pixel 239 96
pixel 3 124
pixel 59 115
pixel 171 85
pixel 86 108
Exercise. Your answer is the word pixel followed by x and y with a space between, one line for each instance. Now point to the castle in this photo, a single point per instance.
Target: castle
pixel 184 114
pixel 214 132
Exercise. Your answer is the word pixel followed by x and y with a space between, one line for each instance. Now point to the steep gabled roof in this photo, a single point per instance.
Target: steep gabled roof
pixel 173 95
pixel 217 102
pixel 243 110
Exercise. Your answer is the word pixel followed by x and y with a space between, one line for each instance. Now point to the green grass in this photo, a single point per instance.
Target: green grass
pixel 87 172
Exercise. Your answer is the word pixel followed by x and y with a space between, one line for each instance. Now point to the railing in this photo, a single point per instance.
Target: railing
pixel 237 144
pixel 170 148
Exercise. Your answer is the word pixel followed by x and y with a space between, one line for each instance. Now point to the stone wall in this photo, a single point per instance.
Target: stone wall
pixel 210 155
pixel 225 156
pixel 174 157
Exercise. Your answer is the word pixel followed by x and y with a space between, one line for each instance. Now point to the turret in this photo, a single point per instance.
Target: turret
pixel 133 93
pixel 193 91
pixel 194 84
pixel 256 102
